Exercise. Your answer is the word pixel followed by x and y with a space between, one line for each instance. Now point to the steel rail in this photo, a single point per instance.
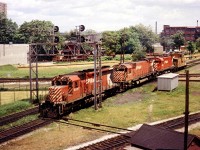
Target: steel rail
pixel 16 116
pixel 96 124
pixel 22 129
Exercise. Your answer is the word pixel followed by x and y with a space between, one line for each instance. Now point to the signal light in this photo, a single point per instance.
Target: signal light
pixel 56 39
pixel 82 39
pixel 56 28
pixel 81 28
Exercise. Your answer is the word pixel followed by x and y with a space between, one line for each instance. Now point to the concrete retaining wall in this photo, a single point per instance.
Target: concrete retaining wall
pixel 13 54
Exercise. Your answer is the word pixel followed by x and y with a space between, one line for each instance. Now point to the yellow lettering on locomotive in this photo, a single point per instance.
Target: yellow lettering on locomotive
pixel 138 67
pixel 90 80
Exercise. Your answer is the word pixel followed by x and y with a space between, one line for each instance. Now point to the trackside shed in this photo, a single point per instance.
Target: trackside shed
pixel 167 82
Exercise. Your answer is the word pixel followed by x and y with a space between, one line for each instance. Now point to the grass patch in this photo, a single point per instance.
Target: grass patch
pixel 8 68
pixel 14 107
pixel 49 70
pixel 142 106
pixel 18 95
pixel 195 131
pixel 19 122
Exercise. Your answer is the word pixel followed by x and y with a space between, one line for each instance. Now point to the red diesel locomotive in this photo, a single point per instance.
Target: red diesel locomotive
pixel 76 89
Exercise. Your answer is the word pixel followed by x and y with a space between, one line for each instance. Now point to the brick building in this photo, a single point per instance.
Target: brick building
pixel 3 8
pixel 190 33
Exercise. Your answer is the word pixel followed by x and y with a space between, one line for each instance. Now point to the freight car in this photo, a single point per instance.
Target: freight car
pixel 70 90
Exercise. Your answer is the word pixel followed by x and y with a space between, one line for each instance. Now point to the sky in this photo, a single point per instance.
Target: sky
pixel 106 15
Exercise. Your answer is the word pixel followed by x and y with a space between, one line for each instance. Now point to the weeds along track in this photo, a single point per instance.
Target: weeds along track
pixel 193 62
pixel 122 140
pixel 16 116
pixel 22 129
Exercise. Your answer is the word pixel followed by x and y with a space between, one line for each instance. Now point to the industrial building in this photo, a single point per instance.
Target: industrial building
pixel 190 33
pixel 14 54
pixel 3 8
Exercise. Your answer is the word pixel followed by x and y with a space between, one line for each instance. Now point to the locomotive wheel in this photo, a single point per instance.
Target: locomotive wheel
pixel 52 114
pixel 43 113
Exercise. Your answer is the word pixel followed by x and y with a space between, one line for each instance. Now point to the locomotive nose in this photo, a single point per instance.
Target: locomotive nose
pixel 55 93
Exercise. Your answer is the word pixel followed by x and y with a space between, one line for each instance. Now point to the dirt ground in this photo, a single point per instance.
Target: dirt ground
pixel 53 137
pixel 59 136
pixel 129 97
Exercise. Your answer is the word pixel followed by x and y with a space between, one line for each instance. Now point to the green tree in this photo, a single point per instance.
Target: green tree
pixel 146 36
pixel 35 31
pixel 178 39
pixel 191 47
pixel 167 43
pixel 130 39
pixel 111 41
pixel 8 30
pixel 198 44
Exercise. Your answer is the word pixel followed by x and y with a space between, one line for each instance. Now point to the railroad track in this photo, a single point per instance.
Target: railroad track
pixel 179 122
pixel 120 141
pixel 193 62
pixel 22 129
pixel 116 143
pixel 192 77
pixel 10 80
pixel 16 116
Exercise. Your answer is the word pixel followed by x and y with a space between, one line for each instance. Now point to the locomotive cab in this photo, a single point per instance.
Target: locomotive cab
pixel 121 72
pixel 64 90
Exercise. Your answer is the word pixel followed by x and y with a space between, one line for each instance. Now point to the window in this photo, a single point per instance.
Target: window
pixel 76 84
pixel 129 71
pixel 70 84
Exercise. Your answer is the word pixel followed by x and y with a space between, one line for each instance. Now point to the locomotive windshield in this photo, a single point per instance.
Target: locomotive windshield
pixel 59 83
pixel 61 80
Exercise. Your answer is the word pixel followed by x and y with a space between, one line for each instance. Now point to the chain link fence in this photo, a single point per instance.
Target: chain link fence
pixel 11 92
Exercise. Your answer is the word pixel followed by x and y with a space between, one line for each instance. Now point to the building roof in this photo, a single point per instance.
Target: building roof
pixel 154 138
pixel 168 75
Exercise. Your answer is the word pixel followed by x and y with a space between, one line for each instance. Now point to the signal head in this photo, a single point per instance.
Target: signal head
pixel 81 28
pixel 56 28
pixel 56 39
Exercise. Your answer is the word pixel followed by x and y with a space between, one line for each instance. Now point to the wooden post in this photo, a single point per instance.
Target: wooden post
pixel 186 109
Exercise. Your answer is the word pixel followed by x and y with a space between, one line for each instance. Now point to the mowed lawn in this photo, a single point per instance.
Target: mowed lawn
pixel 141 104
pixel 49 70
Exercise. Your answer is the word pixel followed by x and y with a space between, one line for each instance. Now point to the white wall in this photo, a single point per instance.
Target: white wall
pixel 13 53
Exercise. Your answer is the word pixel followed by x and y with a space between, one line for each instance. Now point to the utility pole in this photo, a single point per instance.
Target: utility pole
pixel 186 109
pixel 33 59
pixel 97 76
pixel 97 71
